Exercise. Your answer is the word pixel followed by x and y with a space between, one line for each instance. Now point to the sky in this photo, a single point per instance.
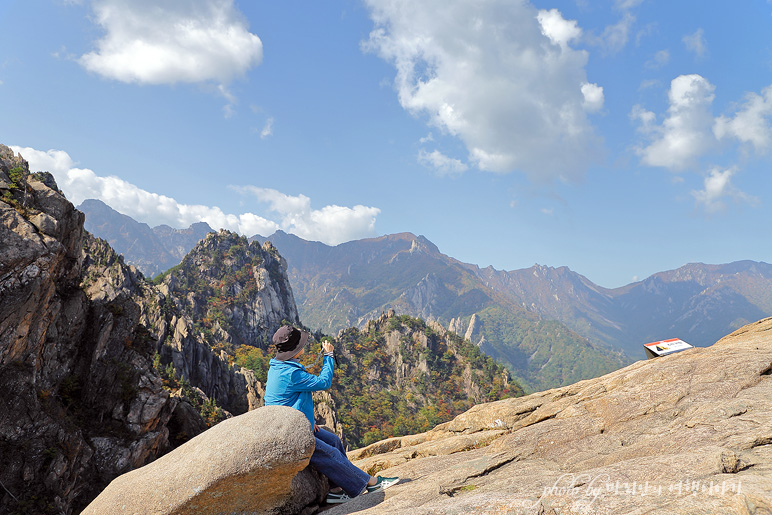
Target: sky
pixel 619 138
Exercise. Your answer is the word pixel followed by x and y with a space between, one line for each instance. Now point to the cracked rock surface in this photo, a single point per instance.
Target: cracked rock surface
pixel 686 433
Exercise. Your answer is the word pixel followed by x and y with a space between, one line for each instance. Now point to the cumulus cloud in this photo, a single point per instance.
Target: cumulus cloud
pixel 150 42
pixel 685 134
pixel 593 97
pixel 689 129
pixel 559 30
pixel 443 164
pixel 331 224
pixel 751 123
pixel 718 188
pixel 696 43
pixel 500 76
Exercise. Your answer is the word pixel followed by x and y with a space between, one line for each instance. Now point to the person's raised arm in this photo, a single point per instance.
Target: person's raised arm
pixel 302 381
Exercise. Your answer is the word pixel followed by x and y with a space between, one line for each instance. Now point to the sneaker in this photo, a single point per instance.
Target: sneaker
pixel 383 483
pixel 337 497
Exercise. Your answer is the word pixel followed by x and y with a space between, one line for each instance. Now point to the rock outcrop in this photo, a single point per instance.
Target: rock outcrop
pixel 81 340
pixel 401 375
pixel 247 464
pixel 225 293
pixel 80 401
pixel 686 433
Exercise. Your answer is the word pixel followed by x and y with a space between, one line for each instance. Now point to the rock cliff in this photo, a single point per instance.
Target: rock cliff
pixel 686 433
pixel 401 375
pixel 226 293
pixel 81 402
pixel 84 339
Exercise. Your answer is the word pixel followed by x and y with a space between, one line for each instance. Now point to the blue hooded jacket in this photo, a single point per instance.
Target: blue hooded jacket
pixel 289 384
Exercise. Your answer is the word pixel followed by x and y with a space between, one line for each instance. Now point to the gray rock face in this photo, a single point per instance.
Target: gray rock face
pixel 80 402
pixel 80 399
pixel 686 433
pixel 250 283
pixel 247 464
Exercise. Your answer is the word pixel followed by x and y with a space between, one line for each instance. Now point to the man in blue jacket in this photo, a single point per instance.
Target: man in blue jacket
pixel 289 384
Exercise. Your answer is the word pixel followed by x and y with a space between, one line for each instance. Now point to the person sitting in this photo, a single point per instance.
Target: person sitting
pixel 289 384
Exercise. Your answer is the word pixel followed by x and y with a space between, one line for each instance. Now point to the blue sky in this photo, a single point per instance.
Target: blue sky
pixel 619 138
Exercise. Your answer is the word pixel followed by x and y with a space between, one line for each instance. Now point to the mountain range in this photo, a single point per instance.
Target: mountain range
pixel 551 326
pixel 103 371
pixel 151 250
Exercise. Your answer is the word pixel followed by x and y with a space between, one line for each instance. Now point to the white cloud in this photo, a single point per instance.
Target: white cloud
pixel 648 30
pixel 696 43
pixel 615 37
pixel 650 83
pixel 559 30
pixel 487 74
pixel 593 97
pixel 443 164
pixel 644 117
pixel 267 128
pixel 659 60
pixel 689 130
pixel 627 4
pixel 718 188
pixel 227 95
pixel 331 224
pixel 751 124
pixel 685 134
pixel 150 42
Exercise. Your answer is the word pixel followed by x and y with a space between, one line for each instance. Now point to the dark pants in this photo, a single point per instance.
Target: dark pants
pixel 330 459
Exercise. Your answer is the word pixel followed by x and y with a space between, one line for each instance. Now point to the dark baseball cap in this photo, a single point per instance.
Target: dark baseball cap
pixel 289 341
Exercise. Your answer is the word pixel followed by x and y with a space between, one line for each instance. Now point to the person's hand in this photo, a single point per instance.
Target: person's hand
pixel 316 428
pixel 328 347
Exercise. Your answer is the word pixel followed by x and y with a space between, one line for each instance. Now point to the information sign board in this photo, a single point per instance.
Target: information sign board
pixel 665 347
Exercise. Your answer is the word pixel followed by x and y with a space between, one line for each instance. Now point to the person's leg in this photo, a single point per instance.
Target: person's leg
pixel 331 460
pixel 330 439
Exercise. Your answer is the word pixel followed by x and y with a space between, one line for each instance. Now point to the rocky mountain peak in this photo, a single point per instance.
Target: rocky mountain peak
pixel 10 160
pixel 237 290
pixel 422 244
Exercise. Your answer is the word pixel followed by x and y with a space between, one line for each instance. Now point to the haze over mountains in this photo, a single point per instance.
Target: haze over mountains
pixel 151 250
pixel 552 326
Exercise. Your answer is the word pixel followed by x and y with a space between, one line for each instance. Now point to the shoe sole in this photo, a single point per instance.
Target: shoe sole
pixel 337 501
